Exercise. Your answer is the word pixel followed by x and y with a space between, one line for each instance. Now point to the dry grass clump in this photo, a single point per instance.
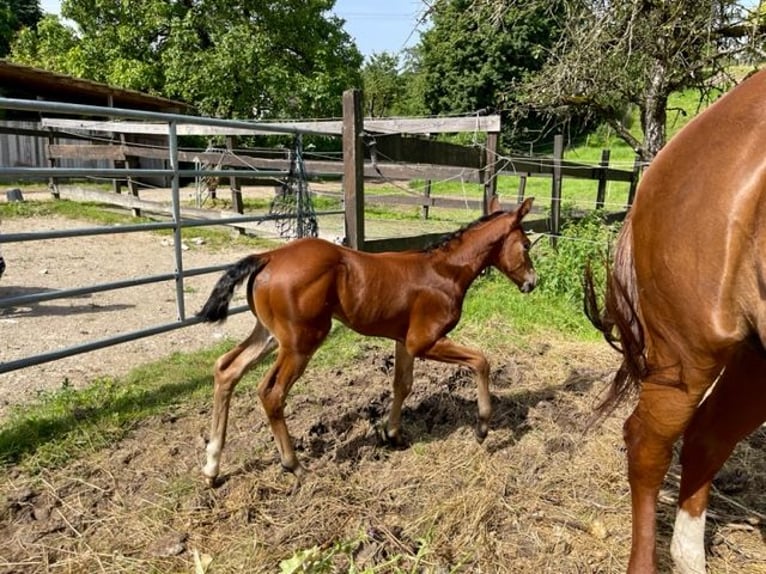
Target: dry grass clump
pixel 542 494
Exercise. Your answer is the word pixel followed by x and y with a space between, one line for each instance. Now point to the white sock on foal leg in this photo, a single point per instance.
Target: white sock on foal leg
pixel 688 545
pixel 210 470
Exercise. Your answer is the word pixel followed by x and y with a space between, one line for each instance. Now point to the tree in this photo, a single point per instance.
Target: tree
pixel 49 46
pixel 468 59
pixel 615 54
pixel 243 59
pixel 383 85
pixel 14 16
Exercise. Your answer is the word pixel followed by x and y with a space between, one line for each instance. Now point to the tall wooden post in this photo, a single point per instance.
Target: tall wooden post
pixel 427 199
pixel 558 153
pixel 603 165
pixel 353 168
pixel 236 191
pixel 490 169
pixel 522 189
pixel 53 182
pixel 634 180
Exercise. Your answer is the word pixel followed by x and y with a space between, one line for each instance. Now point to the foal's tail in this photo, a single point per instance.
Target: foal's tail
pixel 216 308
pixel 619 321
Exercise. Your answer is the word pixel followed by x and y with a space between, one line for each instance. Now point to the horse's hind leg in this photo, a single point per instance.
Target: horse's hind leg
pixel 403 367
pixel 297 346
pixel 229 369
pixel 734 409
pixel 447 351
pixel 663 412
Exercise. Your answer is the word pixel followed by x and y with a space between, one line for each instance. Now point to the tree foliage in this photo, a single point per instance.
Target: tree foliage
pixel 615 54
pixel 383 84
pixel 252 57
pixel 468 58
pixel 14 16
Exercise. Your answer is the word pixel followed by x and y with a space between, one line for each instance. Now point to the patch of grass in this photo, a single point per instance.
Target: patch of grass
pixel 63 423
pixel 101 214
pixel 95 212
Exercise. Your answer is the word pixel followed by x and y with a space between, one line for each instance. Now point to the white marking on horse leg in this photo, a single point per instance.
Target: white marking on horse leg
pixel 210 470
pixel 688 545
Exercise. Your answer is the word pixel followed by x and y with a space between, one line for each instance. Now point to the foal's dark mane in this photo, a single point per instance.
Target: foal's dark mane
pixel 446 239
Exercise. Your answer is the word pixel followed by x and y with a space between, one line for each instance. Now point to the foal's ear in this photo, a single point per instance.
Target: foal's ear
pixel 524 208
pixel 494 204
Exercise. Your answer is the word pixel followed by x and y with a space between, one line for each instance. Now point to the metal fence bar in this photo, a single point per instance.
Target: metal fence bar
pixel 185 223
pixel 122 173
pixel 177 239
pixel 40 297
pixel 86 110
pixel 102 343
pixel 19 300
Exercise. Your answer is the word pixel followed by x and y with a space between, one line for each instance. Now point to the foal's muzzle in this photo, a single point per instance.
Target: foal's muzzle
pixel 530 280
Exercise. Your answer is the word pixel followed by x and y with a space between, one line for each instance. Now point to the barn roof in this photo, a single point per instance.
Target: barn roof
pixel 26 82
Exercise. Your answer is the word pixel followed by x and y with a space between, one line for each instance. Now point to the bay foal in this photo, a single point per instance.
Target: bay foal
pixel 412 297
pixel 687 297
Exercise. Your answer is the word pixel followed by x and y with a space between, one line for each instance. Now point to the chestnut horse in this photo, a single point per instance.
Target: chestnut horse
pixel 412 297
pixel 687 299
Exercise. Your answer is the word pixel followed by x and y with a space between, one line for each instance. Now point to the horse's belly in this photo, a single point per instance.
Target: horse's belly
pixel 390 327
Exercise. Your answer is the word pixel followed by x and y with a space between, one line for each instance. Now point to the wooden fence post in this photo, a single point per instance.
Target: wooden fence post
pixel 53 182
pixel 353 168
pixel 558 153
pixel 236 192
pixel 522 189
pixel 489 169
pixel 603 165
pixel 634 180
pixel 427 196
pixel 128 163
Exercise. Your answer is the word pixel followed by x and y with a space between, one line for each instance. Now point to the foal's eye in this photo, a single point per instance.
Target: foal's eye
pixel 527 245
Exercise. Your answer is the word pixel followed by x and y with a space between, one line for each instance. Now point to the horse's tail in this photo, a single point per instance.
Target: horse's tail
pixel 216 308
pixel 619 321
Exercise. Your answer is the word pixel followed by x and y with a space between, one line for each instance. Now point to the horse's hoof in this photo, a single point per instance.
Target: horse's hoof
pixel 211 481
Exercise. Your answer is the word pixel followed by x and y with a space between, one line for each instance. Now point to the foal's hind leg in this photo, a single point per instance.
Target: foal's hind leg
pixel 447 351
pixel 733 410
pixel 297 346
pixel 403 366
pixel 229 369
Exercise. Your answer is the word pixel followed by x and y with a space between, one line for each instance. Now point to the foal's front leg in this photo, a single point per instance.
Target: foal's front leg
pixel 403 367
pixel 447 351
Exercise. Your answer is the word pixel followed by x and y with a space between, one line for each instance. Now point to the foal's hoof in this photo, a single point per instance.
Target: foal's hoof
pixel 211 481
pixel 393 440
pixel 481 431
pixel 300 473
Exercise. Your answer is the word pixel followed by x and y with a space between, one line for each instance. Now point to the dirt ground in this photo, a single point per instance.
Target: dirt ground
pixel 54 264
pixel 542 494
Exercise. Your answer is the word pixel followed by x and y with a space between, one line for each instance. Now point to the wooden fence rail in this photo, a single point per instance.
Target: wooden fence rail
pixel 370 154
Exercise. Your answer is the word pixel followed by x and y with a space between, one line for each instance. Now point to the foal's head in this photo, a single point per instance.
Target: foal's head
pixel 512 256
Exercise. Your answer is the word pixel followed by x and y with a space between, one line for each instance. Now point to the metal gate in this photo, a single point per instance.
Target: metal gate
pixel 176 223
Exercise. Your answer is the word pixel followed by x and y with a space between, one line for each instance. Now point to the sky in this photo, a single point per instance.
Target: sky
pixel 375 25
